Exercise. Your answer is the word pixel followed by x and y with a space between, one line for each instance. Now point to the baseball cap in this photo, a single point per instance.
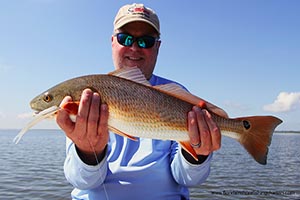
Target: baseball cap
pixel 136 12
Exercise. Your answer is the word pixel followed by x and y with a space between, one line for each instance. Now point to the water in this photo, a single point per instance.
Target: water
pixel 33 169
pixel 235 175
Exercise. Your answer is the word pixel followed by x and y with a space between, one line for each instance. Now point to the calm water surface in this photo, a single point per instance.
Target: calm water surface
pixel 33 169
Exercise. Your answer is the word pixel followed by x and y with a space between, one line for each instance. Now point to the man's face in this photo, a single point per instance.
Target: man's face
pixel 131 56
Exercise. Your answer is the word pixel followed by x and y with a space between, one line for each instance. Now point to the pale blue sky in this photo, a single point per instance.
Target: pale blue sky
pixel 242 55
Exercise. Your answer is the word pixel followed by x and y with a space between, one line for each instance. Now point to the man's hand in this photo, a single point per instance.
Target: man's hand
pixel 205 135
pixel 90 131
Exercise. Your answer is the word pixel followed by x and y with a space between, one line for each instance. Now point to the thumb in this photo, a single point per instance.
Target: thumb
pixel 63 119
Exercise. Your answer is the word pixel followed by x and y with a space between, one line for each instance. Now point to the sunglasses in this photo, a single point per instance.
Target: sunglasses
pixel 143 42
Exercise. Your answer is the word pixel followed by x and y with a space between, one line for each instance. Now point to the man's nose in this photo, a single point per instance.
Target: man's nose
pixel 135 46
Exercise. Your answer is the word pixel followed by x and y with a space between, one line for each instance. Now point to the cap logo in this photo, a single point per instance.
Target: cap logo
pixel 139 11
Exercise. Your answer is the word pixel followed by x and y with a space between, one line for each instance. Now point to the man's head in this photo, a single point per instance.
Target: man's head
pixel 135 41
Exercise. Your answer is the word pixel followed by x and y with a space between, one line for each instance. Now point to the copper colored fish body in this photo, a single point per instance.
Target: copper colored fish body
pixel 137 109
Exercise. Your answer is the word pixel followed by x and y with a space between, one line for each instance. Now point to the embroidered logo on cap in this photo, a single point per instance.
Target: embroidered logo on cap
pixel 139 11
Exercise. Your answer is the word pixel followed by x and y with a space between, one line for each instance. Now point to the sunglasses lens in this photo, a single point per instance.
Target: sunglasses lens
pixel 143 42
pixel 125 39
pixel 146 42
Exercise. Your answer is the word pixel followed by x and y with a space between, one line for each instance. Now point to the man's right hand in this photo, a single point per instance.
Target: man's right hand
pixel 90 131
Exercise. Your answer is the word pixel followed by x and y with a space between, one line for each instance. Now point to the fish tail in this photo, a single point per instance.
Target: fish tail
pixel 257 135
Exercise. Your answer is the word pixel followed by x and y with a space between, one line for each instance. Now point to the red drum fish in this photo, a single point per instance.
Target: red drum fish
pixel 137 109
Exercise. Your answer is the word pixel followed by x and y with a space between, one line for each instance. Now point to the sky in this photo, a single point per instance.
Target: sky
pixel 242 55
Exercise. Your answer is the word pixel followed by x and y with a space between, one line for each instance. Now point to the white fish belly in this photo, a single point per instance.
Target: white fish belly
pixel 147 130
pixel 230 134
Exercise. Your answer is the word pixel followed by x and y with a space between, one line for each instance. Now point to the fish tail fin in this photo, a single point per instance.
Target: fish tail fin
pixel 257 135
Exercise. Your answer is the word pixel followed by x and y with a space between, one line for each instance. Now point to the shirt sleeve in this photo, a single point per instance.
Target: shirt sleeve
pixel 81 175
pixel 186 173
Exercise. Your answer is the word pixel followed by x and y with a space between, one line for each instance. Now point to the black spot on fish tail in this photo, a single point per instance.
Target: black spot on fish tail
pixel 246 124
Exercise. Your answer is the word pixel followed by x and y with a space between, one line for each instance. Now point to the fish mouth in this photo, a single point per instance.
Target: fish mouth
pixel 36 112
pixel 48 111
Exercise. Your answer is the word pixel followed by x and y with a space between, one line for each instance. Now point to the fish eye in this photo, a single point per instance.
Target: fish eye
pixel 47 97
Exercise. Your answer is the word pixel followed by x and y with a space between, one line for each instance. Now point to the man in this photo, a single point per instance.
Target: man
pixel 103 165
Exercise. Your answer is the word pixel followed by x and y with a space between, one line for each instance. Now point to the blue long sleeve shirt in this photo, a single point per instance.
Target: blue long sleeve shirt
pixel 143 169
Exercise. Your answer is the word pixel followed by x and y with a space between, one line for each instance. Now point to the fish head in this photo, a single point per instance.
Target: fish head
pixel 47 99
pixel 55 95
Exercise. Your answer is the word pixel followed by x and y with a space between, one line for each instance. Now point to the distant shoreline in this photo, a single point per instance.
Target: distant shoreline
pixel 287 132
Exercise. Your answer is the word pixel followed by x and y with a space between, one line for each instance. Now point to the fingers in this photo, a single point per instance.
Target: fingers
pixel 204 133
pixel 90 131
pixel 193 129
pixel 93 115
pixel 214 131
pixel 103 125
pixel 63 119
pixel 97 127
pixel 65 100
pixel 83 113
pixel 204 130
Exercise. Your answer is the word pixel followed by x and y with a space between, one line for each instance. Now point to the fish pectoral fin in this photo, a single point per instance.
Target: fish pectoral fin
pixel 71 107
pixel 117 131
pixel 188 148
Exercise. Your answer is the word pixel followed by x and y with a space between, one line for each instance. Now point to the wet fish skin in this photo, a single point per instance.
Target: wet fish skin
pixel 137 109
pixel 122 97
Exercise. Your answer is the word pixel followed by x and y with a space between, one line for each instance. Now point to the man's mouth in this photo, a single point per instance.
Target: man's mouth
pixel 134 58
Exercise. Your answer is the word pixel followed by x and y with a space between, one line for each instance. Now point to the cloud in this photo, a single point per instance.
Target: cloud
pixel 3 66
pixel 285 102
pixel 25 115
pixel 2 115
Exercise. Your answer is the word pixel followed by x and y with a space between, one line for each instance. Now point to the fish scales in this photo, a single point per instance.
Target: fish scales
pixel 144 112
pixel 137 109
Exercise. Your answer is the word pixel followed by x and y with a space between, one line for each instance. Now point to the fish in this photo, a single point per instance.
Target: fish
pixel 139 110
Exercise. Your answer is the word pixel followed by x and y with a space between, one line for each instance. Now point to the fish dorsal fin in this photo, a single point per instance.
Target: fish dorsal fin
pixel 136 75
pixel 176 90
pixel 131 73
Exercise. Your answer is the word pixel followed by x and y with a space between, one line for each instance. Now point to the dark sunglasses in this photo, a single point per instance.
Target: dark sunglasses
pixel 144 42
